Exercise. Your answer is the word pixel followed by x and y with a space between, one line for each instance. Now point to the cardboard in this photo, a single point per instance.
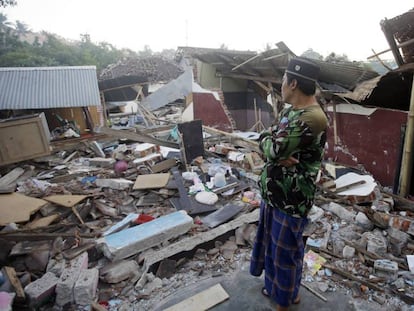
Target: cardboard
pixel 16 207
pixel 42 222
pixel 66 200
pixel 151 181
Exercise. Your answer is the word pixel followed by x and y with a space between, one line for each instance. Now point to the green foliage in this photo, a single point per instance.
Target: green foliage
pixel 310 53
pixel 47 49
pixel 5 3
pixel 336 58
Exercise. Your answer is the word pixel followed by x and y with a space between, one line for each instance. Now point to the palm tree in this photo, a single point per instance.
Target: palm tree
pixel 4 29
pixel 21 28
pixel 4 22
pixel 4 3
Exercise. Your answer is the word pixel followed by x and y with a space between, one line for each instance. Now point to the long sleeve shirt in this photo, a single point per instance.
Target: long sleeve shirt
pixel 300 133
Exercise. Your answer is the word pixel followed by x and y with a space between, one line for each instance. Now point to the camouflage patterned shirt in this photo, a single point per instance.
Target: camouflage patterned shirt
pixel 301 133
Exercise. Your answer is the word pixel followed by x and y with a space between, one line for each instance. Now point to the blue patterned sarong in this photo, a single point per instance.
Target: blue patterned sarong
pixel 279 250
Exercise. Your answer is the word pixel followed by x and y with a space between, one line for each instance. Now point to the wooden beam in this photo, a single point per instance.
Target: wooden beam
pixel 245 62
pixel 153 256
pixel 353 278
pixel 389 35
pixel 313 291
pixel 234 139
pixel 123 86
pixel 263 86
pixel 375 55
pixel 15 282
pixel 275 56
pixel 250 77
pixel 44 236
pixel 140 137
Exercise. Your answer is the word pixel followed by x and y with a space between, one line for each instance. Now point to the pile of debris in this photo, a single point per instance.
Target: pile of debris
pixel 117 224
pixel 151 69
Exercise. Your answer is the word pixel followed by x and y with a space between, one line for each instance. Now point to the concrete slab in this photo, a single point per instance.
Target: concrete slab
pixel 133 240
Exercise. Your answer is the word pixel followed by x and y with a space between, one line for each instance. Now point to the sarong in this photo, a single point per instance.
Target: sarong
pixel 279 250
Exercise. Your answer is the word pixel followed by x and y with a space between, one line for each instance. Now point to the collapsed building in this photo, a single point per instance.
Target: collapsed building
pixel 103 180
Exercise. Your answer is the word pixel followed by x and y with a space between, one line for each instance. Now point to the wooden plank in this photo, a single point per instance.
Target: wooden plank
pixel 203 300
pixel 44 236
pixel 353 278
pixel 15 282
pixel 164 165
pixel 234 139
pixel 16 207
pixel 67 200
pixel 313 291
pixel 11 177
pixel 151 181
pixel 42 222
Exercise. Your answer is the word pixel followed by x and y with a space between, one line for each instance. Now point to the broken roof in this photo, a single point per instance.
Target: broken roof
pixel 401 28
pixel 118 80
pixel 392 90
pixel 269 66
pixel 149 69
pixel 48 87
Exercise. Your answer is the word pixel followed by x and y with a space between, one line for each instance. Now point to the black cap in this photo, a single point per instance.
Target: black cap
pixel 303 68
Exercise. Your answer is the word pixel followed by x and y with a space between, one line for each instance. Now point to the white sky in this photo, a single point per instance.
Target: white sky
pixel 350 27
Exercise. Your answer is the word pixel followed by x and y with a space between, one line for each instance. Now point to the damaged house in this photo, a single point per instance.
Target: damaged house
pixel 160 211
pixel 371 124
pixel 44 104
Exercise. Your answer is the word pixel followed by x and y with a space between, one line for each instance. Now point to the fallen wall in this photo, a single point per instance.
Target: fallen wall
pixel 371 137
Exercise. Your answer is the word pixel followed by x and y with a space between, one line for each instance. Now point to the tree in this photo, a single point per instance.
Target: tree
pixel 310 53
pixel 50 50
pixel 5 3
pixel 337 59
pixel 147 52
pixel 21 28
pixel 4 21
pixel 223 47
pixel 167 53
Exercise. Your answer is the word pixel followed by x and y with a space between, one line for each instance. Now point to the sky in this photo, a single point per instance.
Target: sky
pixel 350 27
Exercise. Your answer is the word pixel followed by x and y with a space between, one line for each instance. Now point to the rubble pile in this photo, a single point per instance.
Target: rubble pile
pixel 154 68
pixel 120 225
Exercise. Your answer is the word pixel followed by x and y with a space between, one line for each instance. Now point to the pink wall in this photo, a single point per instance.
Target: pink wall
pixel 373 141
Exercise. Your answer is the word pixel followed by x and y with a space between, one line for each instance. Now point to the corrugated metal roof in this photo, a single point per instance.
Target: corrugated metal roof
pixel 48 87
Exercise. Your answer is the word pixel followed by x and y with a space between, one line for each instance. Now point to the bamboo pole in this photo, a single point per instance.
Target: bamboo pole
pixel 407 160
pixel 335 126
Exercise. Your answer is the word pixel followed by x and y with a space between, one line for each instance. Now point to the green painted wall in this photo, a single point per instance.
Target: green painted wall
pixel 208 80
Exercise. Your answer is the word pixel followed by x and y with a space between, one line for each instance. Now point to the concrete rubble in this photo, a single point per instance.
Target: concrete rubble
pixel 122 245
